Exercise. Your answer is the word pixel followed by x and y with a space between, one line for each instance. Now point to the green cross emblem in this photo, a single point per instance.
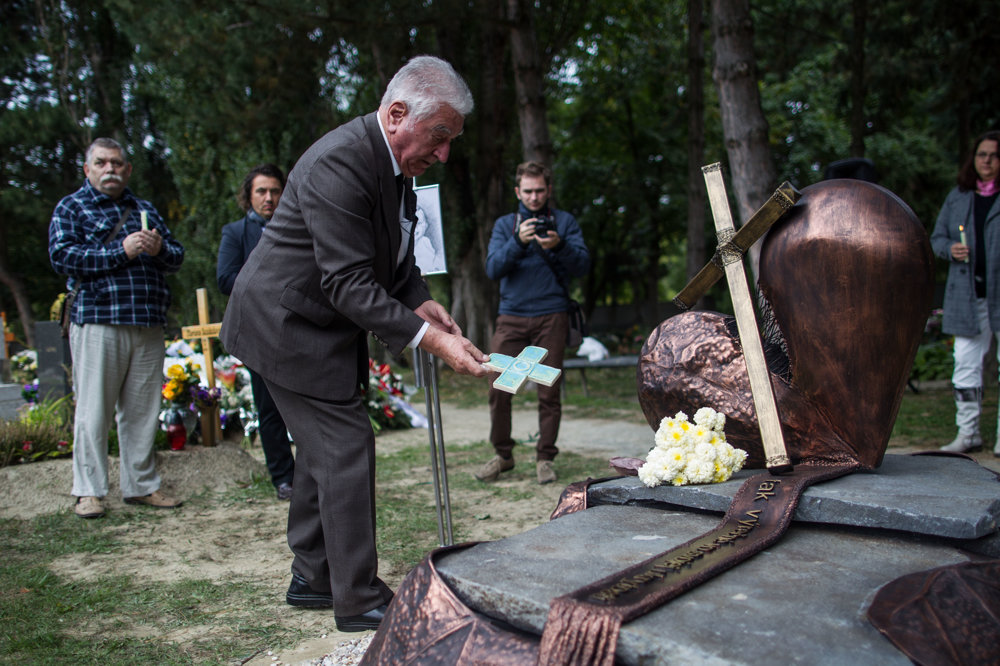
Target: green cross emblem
pixel 514 371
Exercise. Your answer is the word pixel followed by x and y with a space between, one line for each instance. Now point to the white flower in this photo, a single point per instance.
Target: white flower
pixel 691 453
pixel 705 417
pixel 700 470
pixel 707 451
pixel 649 476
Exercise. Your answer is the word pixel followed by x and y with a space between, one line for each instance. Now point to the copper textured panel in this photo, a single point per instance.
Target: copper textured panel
pixel 948 615
pixel 426 623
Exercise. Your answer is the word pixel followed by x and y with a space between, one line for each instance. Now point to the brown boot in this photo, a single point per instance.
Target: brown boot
pixel 491 470
pixel 546 474
pixel 155 499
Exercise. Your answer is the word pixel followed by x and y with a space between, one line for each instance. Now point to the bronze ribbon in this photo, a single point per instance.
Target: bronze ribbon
pixel 582 627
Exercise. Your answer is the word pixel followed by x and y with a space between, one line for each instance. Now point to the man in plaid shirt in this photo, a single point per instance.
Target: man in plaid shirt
pixel 116 335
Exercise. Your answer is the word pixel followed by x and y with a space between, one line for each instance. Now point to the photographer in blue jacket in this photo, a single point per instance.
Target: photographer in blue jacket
pixel 532 253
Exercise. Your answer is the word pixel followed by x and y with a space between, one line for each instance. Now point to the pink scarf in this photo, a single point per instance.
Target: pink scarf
pixel 986 189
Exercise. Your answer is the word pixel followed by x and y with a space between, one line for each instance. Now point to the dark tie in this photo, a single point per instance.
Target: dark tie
pixel 410 202
pixel 399 187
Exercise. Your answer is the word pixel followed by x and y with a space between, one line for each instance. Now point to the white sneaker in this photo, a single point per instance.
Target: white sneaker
pixel 964 444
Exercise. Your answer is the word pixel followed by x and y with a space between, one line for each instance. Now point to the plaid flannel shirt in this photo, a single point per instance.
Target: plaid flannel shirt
pixel 113 289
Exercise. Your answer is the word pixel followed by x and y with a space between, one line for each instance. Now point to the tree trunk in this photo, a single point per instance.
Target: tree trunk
pixel 857 60
pixel 529 84
pixel 20 293
pixel 696 252
pixel 474 295
pixel 743 123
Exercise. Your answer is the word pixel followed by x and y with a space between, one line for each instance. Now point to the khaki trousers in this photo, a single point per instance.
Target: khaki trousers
pixel 117 372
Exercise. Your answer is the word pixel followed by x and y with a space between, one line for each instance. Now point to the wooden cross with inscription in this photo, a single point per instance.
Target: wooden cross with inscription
pixel 205 332
pixel 728 259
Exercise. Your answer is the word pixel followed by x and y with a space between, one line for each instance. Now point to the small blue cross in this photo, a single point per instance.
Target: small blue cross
pixel 527 365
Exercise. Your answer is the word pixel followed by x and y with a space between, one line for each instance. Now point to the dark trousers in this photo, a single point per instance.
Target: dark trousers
pixel 331 520
pixel 273 433
pixel 512 335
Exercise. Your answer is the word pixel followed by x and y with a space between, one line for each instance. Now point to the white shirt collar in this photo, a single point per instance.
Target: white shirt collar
pixel 395 167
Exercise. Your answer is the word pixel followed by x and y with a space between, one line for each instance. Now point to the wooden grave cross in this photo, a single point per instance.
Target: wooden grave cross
pixel 205 332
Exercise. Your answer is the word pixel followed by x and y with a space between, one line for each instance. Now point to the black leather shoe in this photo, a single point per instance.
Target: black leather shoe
pixel 285 491
pixel 370 620
pixel 301 595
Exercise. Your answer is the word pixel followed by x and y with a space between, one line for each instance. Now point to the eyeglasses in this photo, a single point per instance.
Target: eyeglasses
pixel 987 157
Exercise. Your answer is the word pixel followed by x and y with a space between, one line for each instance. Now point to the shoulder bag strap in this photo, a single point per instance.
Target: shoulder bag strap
pixel 121 222
pixel 552 267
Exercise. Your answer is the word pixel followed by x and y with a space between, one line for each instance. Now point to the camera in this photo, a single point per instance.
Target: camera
pixel 544 224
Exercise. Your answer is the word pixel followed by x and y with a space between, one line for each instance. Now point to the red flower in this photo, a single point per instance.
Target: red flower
pixel 26 447
pixel 387 411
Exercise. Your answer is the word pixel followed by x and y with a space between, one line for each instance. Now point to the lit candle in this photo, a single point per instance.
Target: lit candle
pixel 145 224
pixel 961 237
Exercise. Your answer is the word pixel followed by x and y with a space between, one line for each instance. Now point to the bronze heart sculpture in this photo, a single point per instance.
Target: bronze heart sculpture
pixel 847 275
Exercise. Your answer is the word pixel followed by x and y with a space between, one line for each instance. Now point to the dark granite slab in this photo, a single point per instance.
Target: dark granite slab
pixel 802 601
pixel 934 495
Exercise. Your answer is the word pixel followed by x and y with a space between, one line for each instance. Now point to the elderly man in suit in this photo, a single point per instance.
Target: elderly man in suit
pixel 335 262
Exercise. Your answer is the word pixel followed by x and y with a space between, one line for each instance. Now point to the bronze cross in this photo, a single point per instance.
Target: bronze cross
pixel 729 259
pixel 732 246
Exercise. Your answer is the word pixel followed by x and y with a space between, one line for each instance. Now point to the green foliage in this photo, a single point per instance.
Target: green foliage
pixel 42 431
pixel 935 356
pixel 620 141
pixel 934 360
pixel 200 93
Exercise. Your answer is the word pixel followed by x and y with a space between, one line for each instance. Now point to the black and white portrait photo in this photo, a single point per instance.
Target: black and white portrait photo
pixel 428 236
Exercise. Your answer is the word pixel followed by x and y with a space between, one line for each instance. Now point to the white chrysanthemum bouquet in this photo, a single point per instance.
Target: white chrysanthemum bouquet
pixel 688 452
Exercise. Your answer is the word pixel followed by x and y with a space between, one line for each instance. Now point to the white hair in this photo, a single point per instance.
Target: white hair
pixel 424 84
pixel 108 144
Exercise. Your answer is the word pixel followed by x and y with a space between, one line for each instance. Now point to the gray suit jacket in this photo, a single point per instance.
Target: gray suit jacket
pixel 324 272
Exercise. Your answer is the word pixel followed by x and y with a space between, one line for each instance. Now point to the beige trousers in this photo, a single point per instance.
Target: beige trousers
pixel 117 372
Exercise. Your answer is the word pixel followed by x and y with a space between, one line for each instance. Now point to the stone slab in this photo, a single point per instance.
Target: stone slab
pixel 10 400
pixel 802 601
pixel 54 360
pixel 934 495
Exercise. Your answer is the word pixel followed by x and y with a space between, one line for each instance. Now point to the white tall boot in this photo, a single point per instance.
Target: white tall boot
pixel 967 407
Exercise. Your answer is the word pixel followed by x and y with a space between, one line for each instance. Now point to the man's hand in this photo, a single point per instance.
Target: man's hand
pixel 434 313
pixel 526 233
pixel 146 241
pixel 456 351
pixel 550 241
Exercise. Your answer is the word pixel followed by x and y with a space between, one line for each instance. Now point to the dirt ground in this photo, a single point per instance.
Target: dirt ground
pixel 245 540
